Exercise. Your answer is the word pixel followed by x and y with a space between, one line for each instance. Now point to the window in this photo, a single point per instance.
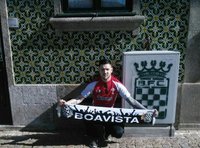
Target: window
pixel 96 7
pixel 96 15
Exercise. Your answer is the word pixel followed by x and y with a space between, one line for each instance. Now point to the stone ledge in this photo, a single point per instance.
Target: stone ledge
pixel 155 131
pixel 189 126
pixel 107 23
pixel 11 127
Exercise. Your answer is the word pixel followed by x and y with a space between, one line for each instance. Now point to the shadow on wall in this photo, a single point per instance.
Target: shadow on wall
pixel 49 121
pixel 192 60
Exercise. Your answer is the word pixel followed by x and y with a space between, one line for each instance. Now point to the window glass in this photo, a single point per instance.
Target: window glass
pixel 103 7
pixel 113 3
pixel 80 4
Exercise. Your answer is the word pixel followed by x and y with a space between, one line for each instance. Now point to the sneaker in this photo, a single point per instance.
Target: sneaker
pixel 102 143
pixel 93 144
pixel 108 137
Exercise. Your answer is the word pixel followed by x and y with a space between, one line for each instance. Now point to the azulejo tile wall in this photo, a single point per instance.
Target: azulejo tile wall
pixel 43 56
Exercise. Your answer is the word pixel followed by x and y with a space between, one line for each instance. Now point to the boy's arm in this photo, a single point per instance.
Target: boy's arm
pixel 75 101
pixel 134 103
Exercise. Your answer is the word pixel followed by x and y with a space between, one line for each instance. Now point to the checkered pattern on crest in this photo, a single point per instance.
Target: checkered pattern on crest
pixel 153 98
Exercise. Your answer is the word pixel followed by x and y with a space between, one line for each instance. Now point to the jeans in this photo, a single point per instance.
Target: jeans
pixel 104 129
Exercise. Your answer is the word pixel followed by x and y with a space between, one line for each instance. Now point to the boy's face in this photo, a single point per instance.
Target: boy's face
pixel 105 71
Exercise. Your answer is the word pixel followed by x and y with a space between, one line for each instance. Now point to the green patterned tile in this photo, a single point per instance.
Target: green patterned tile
pixel 43 56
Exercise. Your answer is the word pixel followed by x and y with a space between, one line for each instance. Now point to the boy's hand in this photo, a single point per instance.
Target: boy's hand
pixel 155 113
pixel 61 102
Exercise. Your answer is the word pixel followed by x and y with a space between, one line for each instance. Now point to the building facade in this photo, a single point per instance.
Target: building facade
pixel 44 58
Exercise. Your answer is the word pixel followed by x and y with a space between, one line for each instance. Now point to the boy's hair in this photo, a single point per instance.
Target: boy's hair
pixel 104 61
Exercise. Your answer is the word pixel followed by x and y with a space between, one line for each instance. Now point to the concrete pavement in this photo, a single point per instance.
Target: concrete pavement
pixel 19 139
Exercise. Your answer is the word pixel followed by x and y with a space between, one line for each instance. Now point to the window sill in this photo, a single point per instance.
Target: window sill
pixel 105 23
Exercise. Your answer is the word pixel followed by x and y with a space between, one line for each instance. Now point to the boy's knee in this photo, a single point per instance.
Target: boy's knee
pixel 118 133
